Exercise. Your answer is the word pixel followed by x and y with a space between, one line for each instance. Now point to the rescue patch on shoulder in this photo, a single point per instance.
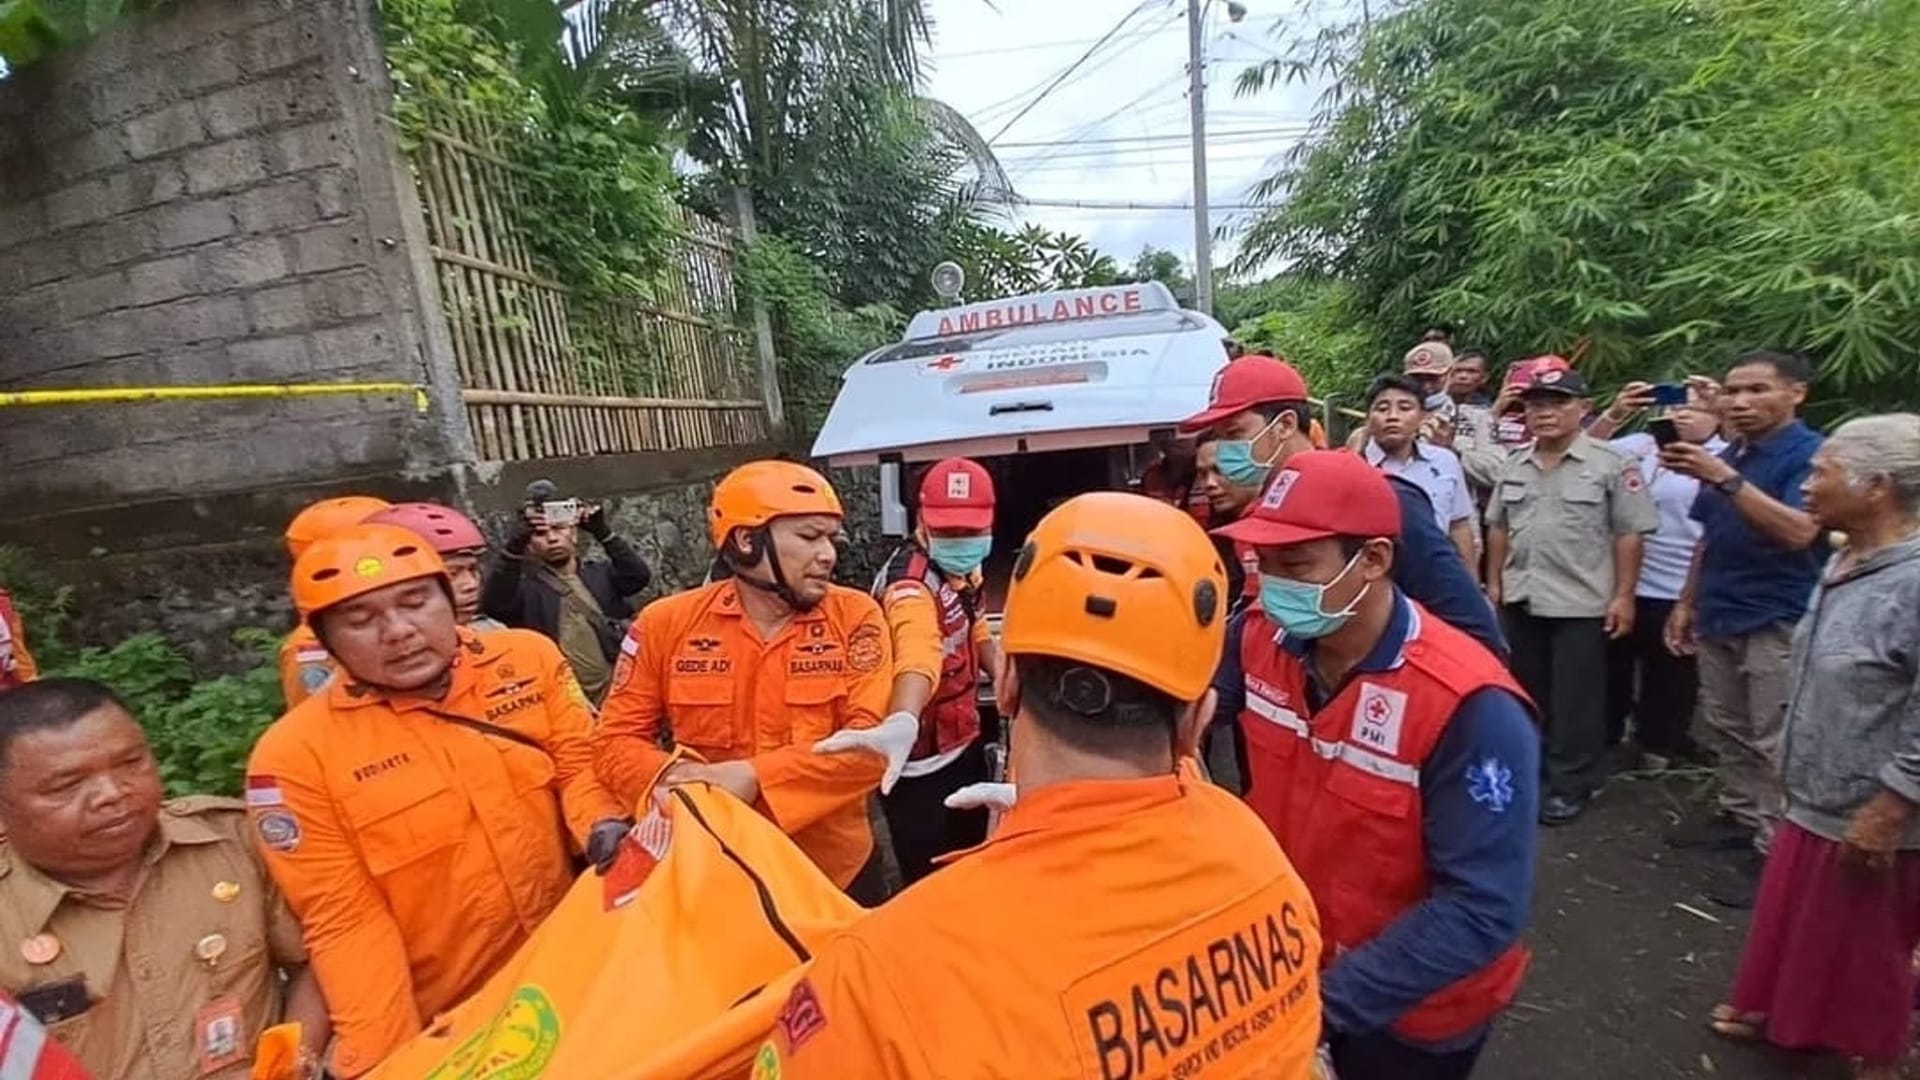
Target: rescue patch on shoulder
pixel 315 677
pixel 1630 476
pixel 800 1018
pixel 263 791
pixel 623 665
pixel 864 653
pixel 279 831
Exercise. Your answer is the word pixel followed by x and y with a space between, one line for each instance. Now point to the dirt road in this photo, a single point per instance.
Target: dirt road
pixel 1623 979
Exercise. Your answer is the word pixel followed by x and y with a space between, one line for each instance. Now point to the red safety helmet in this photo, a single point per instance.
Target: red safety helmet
pixel 447 530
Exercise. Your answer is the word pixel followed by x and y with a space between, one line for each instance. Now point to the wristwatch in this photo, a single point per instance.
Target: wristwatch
pixel 1731 485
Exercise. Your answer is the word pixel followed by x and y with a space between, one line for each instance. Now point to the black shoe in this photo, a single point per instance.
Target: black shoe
pixel 1710 832
pixel 1561 809
pixel 1738 884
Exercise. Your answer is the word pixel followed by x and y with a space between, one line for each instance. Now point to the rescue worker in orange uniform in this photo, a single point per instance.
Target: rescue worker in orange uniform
pixel 1126 919
pixel 420 814
pixel 1396 761
pixel 16 663
pixel 304 665
pixel 461 545
pixel 929 590
pixel 747 674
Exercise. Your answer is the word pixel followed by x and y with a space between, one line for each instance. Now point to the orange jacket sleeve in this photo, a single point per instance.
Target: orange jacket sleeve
pixel 583 802
pixel 353 942
pixel 846 1019
pixel 626 742
pixel 915 628
pixel 291 688
pixel 24 669
pixel 798 786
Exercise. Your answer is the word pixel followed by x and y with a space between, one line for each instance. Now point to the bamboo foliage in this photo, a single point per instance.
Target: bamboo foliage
pixel 546 372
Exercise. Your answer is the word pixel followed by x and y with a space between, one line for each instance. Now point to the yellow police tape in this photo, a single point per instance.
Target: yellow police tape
pixel 121 395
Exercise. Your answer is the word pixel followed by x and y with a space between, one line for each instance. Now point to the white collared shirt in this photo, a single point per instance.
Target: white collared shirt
pixel 1669 550
pixel 1434 470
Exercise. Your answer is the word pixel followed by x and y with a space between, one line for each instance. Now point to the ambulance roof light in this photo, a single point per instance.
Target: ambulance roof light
pixel 948 281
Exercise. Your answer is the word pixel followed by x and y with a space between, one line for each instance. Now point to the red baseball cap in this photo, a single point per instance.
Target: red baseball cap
pixel 957 494
pixel 1523 372
pixel 1317 494
pixel 1244 383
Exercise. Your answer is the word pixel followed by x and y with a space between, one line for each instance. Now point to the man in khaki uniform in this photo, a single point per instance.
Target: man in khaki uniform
pixel 144 934
pixel 1564 539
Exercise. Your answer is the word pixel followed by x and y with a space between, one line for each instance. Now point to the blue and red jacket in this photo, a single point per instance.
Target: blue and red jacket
pixel 1406 798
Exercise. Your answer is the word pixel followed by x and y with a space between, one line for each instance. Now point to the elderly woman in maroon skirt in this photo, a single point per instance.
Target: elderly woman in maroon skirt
pixel 1828 960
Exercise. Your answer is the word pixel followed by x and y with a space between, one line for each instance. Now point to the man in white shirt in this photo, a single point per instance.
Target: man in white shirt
pixel 1396 410
pixel 1662 706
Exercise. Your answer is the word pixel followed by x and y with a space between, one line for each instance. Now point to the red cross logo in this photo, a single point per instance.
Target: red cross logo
pixel 945 363
pixel 1377 710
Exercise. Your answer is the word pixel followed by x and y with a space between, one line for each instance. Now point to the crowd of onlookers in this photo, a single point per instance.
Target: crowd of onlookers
pixel 1686 577
pixel 1694 549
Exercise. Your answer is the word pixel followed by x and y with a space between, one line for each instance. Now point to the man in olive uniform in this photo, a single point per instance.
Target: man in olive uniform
pixel 145 935
pixel 1565 532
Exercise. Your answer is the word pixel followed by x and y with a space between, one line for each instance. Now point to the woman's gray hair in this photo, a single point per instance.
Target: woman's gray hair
pixel 1885 447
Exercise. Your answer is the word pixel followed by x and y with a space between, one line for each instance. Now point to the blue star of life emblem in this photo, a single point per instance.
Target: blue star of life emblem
pixel 1491 784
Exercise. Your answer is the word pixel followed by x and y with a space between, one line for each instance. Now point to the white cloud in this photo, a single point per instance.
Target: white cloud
pixel 990 65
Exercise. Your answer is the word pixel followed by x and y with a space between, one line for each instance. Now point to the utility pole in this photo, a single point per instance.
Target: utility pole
pixel 1197 105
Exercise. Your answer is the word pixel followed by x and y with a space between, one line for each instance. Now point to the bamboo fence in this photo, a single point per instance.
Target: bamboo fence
pixel 547 373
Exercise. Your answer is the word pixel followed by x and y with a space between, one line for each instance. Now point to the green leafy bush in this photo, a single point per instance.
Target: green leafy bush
pixel 1657 184
pixel 201 730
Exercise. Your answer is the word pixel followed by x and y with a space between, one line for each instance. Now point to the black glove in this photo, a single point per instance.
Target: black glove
pixel 593 522
pixel 603 842
pixel 520 533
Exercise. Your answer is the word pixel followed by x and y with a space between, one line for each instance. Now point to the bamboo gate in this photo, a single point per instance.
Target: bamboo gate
pixel 547 373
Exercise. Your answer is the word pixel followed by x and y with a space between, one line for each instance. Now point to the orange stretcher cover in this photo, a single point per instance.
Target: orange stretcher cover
pixel 672 966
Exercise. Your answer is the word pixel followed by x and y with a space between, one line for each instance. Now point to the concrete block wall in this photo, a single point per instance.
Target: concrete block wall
pixel 208 195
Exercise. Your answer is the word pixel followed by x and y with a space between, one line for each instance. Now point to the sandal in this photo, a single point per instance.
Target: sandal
pixel 1729 1023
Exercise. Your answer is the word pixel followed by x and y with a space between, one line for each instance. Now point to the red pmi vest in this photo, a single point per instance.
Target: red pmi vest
pixel 1341 791
pixel 26 1051
pixel 952 716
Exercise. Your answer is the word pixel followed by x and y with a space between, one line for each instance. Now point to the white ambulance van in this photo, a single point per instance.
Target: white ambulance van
pixel 1055 394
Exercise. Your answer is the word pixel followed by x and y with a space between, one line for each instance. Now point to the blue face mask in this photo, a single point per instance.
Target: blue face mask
pixel 1236 463
pixel 1296 605
pixel 959 555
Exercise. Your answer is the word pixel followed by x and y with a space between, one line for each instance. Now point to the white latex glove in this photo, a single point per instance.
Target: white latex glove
pixel 892 738
pixel 995 797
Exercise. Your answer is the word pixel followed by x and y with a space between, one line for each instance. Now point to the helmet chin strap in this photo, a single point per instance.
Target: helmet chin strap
pixel 778 586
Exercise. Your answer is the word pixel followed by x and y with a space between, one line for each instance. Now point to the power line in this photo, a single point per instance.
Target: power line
pixel 1071 68
pixel 989 113
pixel 1094 125
pixel 1288 129
pixel 1040 45
pixel 1105 204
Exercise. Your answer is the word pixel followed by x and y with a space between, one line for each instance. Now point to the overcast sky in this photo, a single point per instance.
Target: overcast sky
pixel 990 65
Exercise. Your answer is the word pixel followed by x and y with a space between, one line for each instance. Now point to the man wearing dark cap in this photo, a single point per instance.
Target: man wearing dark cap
pixel 1565 531
pixel 1396 761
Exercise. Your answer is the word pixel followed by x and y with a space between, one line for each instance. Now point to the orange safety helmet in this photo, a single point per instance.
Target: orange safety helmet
pixel 1124 583
pixel 326 517
pixel 359 560
pixel 755 493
